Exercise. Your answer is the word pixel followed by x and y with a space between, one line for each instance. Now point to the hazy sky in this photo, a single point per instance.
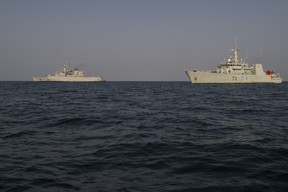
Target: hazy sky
pixel 138 40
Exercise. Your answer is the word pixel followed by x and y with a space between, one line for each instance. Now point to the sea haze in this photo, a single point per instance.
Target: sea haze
pixel 143 136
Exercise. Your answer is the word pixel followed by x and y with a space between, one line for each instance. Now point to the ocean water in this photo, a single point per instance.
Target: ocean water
pixel 143 136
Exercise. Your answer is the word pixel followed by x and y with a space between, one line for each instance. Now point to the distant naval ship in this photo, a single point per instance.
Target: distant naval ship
pixel 67 75
pixel 233 70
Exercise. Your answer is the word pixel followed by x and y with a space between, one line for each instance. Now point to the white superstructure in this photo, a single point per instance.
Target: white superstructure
pixel 67 75
pixel 233 70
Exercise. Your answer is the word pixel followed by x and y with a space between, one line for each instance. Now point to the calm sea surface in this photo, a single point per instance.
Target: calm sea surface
pixel 143 136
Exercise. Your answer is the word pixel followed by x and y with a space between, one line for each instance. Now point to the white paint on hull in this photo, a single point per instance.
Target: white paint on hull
pixel 69 79
pixel 209 77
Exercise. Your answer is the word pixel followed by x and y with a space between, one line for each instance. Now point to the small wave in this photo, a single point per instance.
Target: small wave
pixel 68 121
pixel 18 188
pixel 19 134
pixel 48 184
pixel 75 121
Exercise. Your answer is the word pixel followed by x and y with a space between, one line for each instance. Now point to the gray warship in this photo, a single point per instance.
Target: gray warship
pixel 234 70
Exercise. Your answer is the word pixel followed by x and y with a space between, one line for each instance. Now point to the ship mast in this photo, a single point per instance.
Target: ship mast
pixel 261 54
pixel 235 51
pixel 65 67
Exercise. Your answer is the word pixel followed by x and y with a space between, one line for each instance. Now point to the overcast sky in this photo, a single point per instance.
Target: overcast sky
pixel 138 40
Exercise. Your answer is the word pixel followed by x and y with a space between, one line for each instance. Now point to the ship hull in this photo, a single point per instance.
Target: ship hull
pixel 209 77
pixel 68 79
